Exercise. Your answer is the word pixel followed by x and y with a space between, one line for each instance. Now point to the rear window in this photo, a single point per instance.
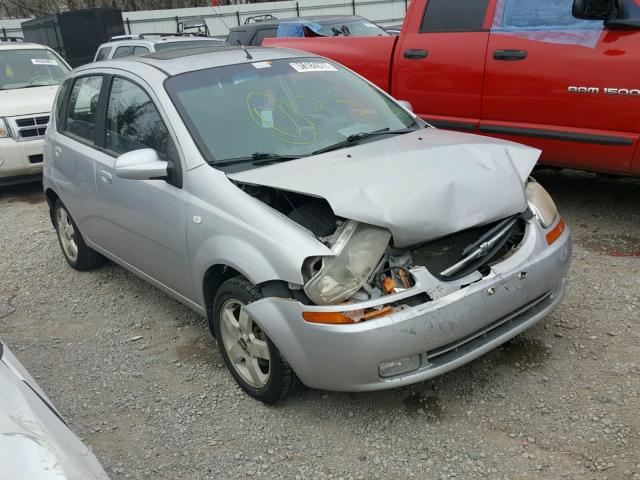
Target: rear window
pixel 454 16
pixel 163 47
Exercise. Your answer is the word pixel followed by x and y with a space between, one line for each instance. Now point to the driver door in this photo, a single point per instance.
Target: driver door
pixel 142 222
pixel 563 85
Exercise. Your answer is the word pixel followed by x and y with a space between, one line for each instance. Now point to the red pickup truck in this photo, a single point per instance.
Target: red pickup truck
pixel 528 71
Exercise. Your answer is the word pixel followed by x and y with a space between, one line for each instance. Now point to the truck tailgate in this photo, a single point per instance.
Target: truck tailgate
pixel 371 57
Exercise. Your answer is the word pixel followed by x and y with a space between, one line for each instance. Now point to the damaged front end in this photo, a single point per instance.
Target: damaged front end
pixel 366 266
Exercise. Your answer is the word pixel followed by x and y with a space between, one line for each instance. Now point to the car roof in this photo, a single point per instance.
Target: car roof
pixel 319 19
pixel 22 46
pixel 175 62
pixel 155 40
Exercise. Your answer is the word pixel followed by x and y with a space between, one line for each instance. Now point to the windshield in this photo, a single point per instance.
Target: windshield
pixel 291 108
pixel 30 68
pixel 354 28
pixel 161 47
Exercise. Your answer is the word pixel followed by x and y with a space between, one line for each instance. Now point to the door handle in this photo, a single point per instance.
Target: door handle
pixel 415 54
pixel 509 55
pixel 57 152
pixel 105 176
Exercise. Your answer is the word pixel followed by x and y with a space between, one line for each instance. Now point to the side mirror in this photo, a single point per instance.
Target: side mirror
pixel 141 165
pixel 617 14
pixel 595 9
pixel 406 105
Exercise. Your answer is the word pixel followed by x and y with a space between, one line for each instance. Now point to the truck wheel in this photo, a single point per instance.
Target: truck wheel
pixel 251 357
pixel 77 253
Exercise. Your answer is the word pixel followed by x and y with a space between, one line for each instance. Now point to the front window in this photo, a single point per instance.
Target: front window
pixel 291 108
pixel 30 68
pixel 133 122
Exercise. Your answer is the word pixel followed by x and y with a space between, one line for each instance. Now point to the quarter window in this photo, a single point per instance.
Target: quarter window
pixel 133 122
pixel 83 107
pixel 454 16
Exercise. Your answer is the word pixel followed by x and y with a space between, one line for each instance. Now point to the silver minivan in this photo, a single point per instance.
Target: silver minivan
pixel 330 236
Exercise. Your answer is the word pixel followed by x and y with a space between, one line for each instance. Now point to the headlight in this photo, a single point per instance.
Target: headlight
pixel 4 130
pixel 541 203
pixel 358 250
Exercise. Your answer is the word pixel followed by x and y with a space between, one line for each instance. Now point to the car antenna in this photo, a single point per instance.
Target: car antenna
pixel 249 57
pixel 221 16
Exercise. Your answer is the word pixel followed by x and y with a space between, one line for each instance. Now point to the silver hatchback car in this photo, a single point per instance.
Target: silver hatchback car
pixel 330 236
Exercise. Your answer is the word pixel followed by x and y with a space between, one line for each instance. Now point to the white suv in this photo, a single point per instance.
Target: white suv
pixel 29 78
pixel 141 44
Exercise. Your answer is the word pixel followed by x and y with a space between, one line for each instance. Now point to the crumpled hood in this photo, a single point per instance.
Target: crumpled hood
pixel 34 443
pixel 421 186
pixel 27 101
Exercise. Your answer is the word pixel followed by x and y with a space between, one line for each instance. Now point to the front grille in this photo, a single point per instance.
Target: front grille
pixel 30 128
pixel 441 254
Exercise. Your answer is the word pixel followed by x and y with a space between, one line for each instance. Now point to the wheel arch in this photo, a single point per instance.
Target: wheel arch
pixel 51 197
pixel 214 277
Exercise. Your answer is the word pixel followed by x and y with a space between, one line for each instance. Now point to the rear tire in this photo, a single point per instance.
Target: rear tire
pixel 76 252
pixel 253 360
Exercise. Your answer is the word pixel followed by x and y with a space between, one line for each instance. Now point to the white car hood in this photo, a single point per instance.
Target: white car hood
pixel 421 186
pixel 27 101
pixel 34 443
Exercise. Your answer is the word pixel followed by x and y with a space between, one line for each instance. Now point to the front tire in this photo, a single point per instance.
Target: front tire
pixel 76 252
pixel 253 360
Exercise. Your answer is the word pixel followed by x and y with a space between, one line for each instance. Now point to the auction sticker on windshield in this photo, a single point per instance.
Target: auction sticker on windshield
pixel 43 61
pixel 261 65
pixel 304 67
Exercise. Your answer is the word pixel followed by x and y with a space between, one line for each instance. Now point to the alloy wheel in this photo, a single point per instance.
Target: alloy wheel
pixel 67 234
pixel 245 344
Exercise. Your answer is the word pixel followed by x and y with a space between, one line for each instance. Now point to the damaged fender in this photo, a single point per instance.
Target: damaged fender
pixel 236 230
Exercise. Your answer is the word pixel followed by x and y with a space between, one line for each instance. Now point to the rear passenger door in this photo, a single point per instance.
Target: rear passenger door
pixel 141 222
pixel 545 86
pixel 440 60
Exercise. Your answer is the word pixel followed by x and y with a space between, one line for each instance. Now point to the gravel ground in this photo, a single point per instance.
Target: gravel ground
pixel 561 401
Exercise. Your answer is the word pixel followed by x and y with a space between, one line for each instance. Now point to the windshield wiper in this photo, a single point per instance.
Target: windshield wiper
pixel 257 159
pixel 351 139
